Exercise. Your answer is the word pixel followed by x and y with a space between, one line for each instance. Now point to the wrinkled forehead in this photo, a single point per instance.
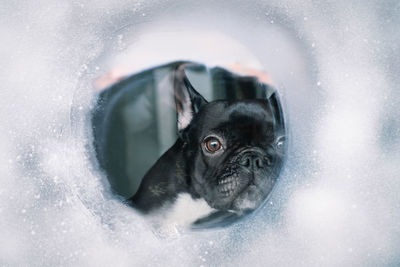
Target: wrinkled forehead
pixel 249 112
pixel 256 110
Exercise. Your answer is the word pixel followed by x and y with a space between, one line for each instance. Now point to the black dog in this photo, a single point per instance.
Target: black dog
pixel 229 153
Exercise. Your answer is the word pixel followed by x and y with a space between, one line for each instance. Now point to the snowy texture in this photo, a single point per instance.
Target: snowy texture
pixel 335 64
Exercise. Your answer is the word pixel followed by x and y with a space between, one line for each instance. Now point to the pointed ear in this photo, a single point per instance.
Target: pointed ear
pixel 187 100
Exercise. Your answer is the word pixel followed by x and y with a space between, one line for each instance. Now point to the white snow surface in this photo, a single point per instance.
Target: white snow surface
pixel 335 65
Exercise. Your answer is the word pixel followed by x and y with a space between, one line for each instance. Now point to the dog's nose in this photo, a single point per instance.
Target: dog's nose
pixel 252 162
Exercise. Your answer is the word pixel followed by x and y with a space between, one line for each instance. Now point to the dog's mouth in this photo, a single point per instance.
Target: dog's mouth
pixel 242 191
pixel 245 182
pixel 230 187
pixel 238 176
pixel 227 186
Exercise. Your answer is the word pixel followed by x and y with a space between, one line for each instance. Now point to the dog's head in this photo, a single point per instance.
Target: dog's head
pixel 233 150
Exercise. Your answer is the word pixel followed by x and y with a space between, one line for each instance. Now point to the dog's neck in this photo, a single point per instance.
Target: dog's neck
pixel 165 181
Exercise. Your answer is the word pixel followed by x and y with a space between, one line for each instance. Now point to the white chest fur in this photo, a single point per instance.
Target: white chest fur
pixel 180 214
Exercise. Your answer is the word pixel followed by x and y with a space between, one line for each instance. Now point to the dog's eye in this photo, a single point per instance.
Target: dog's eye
pixel 212 144
pixel 280 144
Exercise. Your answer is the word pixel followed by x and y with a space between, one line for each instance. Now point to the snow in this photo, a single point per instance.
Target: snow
pixel 335 65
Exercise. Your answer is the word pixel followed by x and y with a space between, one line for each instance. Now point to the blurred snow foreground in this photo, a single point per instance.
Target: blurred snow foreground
pixel 335 66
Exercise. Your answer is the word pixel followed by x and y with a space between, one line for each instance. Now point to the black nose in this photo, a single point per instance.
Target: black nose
pixel 253 162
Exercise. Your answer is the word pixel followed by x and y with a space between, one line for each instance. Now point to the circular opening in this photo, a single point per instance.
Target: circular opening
pixel 150 47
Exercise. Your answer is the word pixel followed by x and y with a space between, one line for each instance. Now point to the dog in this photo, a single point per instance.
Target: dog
pixel 227 157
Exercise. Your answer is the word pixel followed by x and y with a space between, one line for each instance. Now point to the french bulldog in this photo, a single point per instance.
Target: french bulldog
pixel 228 154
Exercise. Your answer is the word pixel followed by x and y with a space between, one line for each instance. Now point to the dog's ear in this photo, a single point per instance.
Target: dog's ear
pixel 187 100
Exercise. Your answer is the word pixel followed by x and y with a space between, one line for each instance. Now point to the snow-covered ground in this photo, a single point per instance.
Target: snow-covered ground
pixel 335 65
